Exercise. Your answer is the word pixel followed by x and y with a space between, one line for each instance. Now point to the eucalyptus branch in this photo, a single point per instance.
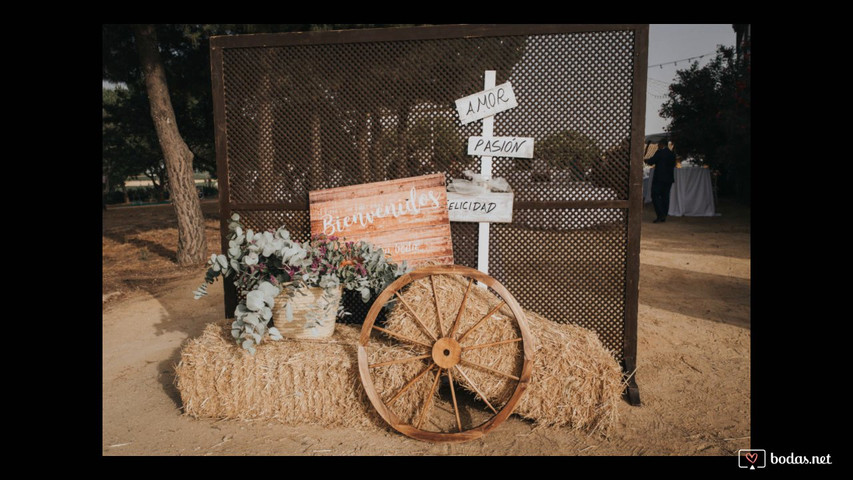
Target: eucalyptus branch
pixel 326 262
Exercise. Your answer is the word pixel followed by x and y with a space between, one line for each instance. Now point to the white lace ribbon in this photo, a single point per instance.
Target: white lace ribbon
pixel 478 184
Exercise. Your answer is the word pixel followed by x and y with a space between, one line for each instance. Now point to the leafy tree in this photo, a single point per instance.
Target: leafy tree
pixel 613 167
pixel 440 144
pixel 709 108
pixel 114 169
pixel 569 150
pixel 319 91
pixel 130 145
pixel 183 51
pixel 185 54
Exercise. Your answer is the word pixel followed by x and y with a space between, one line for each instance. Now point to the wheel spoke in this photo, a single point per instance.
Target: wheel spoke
pixel 410 383
pixel 481 321
pixel 461 309
pixel 484 345
pixel 483 397
pixel 428 400
pixel 437 310
pixel 401 337
pixel 453 394
pixel 497 372
pixel 401 360
pixel 415 316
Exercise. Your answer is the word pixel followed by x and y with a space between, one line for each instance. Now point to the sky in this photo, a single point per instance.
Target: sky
pixel 671 42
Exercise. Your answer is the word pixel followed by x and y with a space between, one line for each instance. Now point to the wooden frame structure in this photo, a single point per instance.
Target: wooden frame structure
pixel 304 111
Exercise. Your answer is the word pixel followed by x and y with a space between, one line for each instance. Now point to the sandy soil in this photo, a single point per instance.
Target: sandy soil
pixel 693 356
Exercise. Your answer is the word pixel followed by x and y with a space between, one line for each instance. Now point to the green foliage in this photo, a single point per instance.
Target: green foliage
pixel 709 112
pixel 130 144
pixel 569 150
pixel 366 269
pixel 264 264
pixel 439 138
pixel 135 195
pixel 185 51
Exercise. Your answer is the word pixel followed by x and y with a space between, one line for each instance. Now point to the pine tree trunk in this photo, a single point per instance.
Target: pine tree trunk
pixel 192 245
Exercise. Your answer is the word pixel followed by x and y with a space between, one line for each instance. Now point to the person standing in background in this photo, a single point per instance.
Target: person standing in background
pixel 664 162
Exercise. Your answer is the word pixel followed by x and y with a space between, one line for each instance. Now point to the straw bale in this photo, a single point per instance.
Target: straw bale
pixel 575 380
pixel 291 381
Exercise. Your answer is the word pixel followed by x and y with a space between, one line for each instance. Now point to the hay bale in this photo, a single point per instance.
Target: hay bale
pixel 290 381
pixel 575 381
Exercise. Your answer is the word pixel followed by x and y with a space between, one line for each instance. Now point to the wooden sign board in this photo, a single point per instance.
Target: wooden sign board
pixel 407 217
pixel 517 147
pixel 486 103
pixel 491 207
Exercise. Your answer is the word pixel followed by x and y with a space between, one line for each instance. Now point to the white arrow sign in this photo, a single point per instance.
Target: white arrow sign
pixel 517 147
pixel 486 103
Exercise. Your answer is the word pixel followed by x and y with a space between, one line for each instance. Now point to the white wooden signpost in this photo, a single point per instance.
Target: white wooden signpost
pixel 487 103
pixel 487 207
pixel 518 147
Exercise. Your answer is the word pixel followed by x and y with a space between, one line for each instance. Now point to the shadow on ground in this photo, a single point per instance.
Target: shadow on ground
pixel 711 297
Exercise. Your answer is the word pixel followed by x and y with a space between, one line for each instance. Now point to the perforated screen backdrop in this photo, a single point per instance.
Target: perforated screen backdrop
pixel 299 112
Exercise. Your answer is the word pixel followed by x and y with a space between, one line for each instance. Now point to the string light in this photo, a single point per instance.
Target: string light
pixel 675 62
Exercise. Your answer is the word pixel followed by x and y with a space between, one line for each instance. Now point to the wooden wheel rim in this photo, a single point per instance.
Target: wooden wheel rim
pixel 367 381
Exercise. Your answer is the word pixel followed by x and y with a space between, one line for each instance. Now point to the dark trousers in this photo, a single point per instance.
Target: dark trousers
pixel 660 198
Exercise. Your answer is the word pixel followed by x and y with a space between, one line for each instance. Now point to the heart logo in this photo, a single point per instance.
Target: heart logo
pixel 752 457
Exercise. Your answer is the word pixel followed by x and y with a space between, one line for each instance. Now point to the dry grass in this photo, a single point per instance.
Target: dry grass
pixel 139 247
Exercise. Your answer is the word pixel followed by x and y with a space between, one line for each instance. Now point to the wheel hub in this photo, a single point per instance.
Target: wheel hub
pixel 446 352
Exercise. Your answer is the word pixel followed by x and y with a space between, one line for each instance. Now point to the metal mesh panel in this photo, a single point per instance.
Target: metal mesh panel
pixel 464 243
pixel 568 265
pixel 574 96
pixel 320 116
pixel 303 115
pixel 296 221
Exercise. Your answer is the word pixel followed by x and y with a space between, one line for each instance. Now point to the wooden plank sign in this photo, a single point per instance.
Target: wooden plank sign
pixel 491 207
pixel 517 147
pixel 486 103
pixel 408 217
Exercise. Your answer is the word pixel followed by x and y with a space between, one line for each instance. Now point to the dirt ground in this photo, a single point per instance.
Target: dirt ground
pixel 693 353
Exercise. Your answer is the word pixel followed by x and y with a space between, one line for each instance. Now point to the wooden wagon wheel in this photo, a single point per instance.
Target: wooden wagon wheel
pixel 444 355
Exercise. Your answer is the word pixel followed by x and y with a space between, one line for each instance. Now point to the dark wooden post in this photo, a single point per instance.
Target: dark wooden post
pixel 222 167
pixel 635 209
